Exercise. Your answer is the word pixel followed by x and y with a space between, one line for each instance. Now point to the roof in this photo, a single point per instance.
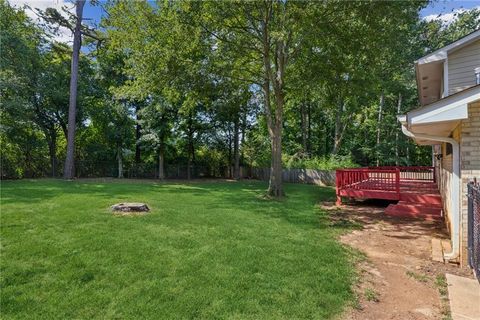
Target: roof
pixel 441 54
pixel 465 96
pixel 431 70
pixel 441 117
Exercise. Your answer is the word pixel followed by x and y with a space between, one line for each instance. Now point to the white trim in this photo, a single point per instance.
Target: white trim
pixel 451 108
pixel 445 79
pixel 455 189
pixel 442 53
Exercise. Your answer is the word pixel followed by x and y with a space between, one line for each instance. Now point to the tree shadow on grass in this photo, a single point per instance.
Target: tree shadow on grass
pixel 36 191
pixel 297 208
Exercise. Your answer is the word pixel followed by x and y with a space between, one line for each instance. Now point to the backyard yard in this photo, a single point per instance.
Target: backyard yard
pixel 205 250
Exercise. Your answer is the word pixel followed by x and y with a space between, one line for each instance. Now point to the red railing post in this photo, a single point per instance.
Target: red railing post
pixel 338 178
pixel 397 181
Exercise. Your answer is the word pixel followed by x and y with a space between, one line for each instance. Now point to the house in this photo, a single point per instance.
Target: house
pixel 448 119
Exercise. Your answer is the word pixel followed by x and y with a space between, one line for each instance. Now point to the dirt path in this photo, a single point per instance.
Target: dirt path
pixel 398 280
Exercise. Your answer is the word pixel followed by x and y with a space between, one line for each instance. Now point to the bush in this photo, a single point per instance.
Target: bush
pixel 320 163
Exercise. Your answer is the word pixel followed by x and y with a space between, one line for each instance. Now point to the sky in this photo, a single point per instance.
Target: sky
pixel 445 9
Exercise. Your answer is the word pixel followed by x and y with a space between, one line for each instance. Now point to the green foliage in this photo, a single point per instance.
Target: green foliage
pixel 320 163
pixel 184 79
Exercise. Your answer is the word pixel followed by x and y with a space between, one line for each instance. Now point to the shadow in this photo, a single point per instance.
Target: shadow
pixel 369 213
pixel 298 208
pixel 34 191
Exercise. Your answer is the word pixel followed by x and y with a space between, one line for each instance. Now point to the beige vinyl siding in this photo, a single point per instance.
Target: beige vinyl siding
pixel 461 66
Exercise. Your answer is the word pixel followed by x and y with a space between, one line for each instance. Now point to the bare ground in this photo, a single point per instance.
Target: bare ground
pixel 398 279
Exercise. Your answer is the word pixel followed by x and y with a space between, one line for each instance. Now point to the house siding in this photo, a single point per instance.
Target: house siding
pixel 470 165
pixel 461 66
pixel 445 176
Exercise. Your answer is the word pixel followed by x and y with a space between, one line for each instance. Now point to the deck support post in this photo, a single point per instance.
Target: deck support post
pixel 339 201
pixel 338 182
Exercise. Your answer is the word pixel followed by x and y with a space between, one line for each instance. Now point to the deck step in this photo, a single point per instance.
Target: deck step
pixel 428 205
pixel 420 190
pixel 428 198
pixel 414 212
pixel 416 209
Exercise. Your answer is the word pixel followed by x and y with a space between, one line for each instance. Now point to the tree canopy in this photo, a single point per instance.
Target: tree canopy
pixel 188 89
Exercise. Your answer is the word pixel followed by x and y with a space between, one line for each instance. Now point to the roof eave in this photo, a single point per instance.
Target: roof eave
pixel 442 53
pixel 450 108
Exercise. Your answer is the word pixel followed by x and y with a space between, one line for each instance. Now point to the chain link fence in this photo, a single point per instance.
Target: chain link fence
pixel 473 195
pixel 149 170
pixel 90 169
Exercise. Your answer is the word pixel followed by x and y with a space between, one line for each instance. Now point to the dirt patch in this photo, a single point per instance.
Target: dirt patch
pixel 130 208
pixel 398 280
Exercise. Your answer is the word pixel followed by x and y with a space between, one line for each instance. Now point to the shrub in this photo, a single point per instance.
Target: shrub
pixel 320 163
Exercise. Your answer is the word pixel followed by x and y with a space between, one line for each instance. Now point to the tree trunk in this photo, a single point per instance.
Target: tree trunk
pixel 244 129
pixel 191 146
pixel 275 187
pixel 338 128
pixel 120 162
pixel 230 162
pixel 138 135
pixel 52 151
pixel 309 128
pixel 161 162
pixel 274 117
pixel 29 170
pixel 380 110
pixel 303 127
pixel 69 169
pixel 191 157
pixel 62 124
pixel 399 107
pixel 236 153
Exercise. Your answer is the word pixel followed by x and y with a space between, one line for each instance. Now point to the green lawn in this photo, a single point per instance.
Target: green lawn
pixel 206 250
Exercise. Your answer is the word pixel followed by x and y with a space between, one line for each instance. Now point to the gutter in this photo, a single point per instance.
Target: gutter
pixel 455 187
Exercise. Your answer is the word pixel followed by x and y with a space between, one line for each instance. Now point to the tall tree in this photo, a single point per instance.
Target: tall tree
pixel 73 22
pixel 69 167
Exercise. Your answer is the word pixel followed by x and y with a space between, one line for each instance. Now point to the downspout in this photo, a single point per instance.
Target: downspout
pixel 455 187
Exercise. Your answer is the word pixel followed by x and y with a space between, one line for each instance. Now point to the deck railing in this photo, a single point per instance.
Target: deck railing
pixel 416 173
pixel 376 181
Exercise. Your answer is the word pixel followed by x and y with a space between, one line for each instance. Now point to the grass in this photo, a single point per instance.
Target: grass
pixel 371 295
pixel 417 276
pixel 442 286
pixel 206 250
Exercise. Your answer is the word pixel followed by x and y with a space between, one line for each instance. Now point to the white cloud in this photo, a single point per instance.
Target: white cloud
pixel 447 18
pixel 64 34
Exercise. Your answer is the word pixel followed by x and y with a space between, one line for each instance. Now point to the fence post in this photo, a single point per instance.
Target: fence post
pixel 434 175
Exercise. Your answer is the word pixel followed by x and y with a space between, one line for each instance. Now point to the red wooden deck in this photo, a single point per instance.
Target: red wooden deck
pixel 414 187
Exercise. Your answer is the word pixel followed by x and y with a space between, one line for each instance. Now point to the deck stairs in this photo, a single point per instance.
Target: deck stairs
pixel 418 202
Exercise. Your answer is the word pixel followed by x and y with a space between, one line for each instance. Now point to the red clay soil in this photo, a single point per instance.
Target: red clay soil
pixel 398 279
